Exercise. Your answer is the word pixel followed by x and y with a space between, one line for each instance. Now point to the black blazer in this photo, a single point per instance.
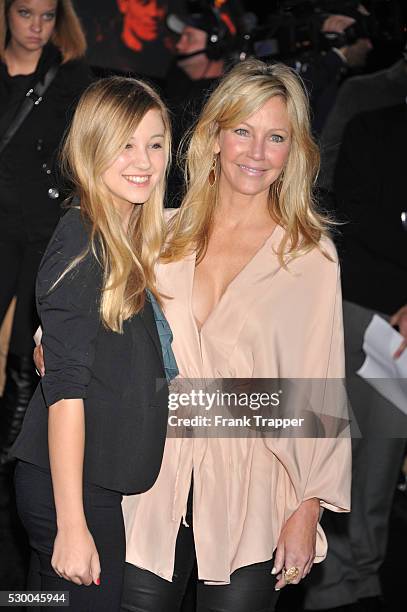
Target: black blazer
pixel 119 376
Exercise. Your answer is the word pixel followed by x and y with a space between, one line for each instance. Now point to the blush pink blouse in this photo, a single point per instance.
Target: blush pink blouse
pixel 272 321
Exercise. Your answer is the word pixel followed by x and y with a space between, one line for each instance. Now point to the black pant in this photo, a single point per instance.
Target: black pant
pixel 19 262
pixel 36 508
pixel 251 588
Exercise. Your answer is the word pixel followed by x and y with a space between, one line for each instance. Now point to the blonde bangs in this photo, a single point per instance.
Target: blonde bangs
pixel 105 119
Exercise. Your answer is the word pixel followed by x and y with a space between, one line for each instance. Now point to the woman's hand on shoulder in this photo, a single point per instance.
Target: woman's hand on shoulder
pixel 75 556
pixel 296 544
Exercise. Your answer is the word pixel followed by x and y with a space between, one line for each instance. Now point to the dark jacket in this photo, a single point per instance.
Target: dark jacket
pixel 119 376
pixel 322 77
pixel 25 162
pixel 359 94
pixel 370 193
pixel 185 99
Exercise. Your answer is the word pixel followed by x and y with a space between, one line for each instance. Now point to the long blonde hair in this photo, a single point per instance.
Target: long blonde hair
pixel 243 91
pixel 106 117
pixel 68 34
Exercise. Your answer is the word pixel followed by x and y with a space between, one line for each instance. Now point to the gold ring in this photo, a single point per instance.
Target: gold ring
pixel 290 574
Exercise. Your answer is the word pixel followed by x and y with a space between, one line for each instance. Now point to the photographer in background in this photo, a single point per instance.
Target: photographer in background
pixel 207 37
pixel 369 188
pixel 323 40
pixel 366 92
pixel 348 36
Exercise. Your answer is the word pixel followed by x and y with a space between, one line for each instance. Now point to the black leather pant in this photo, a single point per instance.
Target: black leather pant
pixel 251 588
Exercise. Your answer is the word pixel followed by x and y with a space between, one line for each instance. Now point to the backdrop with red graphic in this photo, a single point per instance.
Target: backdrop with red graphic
pixel 131 35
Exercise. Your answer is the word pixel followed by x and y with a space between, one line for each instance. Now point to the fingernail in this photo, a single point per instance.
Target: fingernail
pixel 274 571
pixel 277 589
pixel 98 581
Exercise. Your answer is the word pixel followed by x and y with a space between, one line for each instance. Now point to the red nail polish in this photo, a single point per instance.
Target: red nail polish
pixel 98 581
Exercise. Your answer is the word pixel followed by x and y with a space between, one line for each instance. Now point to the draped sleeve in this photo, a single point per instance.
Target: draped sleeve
pixel 316 466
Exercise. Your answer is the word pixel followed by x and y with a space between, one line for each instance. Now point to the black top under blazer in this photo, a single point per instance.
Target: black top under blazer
pixel 119 376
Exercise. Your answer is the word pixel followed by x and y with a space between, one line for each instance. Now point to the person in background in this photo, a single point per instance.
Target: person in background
pixel 324 75
pixel 369 189
pixel 36 36
pixel 358 94
pixel 205 43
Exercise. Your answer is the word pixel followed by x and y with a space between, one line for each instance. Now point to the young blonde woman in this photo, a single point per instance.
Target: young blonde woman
pixel 38 39
pixel 250 285
pixel 95 427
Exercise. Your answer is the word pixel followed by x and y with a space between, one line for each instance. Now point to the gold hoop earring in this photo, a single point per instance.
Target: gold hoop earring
pixel 212 171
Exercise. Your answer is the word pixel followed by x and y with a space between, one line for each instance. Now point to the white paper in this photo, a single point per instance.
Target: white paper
pixel 386 374
pixel 37 336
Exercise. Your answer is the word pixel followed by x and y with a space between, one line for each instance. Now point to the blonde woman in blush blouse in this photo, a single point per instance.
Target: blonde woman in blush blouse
pixel 251 285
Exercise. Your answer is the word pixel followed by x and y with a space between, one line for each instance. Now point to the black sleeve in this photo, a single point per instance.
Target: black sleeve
pixel 69 312
pixel 362 187
pixel 319 73
pixel 353 179
pixel 321 77
pixel 347 105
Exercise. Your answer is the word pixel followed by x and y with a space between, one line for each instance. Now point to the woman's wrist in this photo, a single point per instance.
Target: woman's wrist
pixel 313 506
pixel 65 523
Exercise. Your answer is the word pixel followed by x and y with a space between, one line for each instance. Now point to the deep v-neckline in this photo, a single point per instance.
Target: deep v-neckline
pixel 229 286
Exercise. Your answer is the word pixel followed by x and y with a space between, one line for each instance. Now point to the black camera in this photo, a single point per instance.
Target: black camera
pixel 294 28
